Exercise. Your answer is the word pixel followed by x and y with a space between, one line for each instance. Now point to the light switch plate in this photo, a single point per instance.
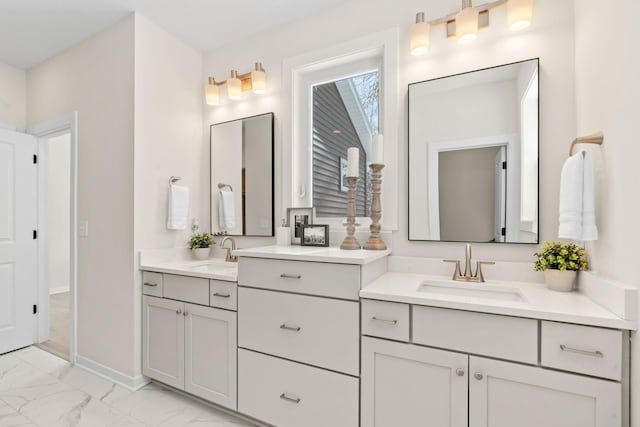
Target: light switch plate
pixel 83 228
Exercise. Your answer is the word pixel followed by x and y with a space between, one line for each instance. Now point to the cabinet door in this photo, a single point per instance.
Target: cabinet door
pixel 503 394
pixel 163 340
pixel 211 354
pixel 410 386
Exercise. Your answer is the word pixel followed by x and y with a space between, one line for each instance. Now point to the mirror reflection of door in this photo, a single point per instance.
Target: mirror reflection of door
pixel 472 194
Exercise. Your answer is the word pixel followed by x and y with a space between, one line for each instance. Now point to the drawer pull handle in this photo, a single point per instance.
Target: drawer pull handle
pixel 290 328
pixel 380 319
pixel 153 285
pixel 596 353
pixel 290 276
pixel 216 294
pixel 284 396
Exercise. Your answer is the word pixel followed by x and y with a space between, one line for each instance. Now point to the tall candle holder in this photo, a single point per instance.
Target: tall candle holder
pixel 375 243
pixel 350 242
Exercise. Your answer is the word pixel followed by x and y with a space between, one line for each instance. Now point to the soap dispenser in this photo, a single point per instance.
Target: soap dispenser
pixel 283 234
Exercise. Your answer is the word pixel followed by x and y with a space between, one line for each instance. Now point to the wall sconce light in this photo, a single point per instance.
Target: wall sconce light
pixel 464 25
pixel 256 80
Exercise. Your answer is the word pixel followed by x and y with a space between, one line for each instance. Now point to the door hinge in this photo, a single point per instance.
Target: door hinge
pixel 35 309
pixel 503 231
pixel 35 159
pixel 35 234
pixel 504 165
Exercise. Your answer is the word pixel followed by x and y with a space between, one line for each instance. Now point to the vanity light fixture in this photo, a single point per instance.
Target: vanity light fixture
pixel 420 35
pixel 255 80
pixel 467 22
pixel 464 25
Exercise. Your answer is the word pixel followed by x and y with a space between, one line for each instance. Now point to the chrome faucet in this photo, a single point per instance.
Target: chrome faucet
pixel 229 257
pixel 467 276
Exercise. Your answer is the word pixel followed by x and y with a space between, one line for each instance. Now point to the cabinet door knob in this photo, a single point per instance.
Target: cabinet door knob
pixel 178 312
pixel 186 313
pixel 460 372
pixel 478 376
pixel 284 396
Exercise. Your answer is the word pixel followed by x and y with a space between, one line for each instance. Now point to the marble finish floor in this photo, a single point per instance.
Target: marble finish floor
pixel 40 389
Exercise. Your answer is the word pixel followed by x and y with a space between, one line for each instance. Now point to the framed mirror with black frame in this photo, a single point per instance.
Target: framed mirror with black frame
pixel 474 156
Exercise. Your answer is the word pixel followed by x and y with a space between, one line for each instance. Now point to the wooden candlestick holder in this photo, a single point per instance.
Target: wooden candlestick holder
pixel 375 243
pixel 350 242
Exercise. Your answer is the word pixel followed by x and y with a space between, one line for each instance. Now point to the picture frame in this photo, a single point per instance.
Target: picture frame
pixel 314 235
pixel 344 164
pixel 296 217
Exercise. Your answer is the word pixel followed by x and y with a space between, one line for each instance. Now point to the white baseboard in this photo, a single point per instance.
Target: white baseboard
pixel 132 383
pixel 59 290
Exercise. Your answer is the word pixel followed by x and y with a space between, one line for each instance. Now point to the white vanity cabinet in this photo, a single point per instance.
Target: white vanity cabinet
pixel 189 345
pixel 298 338
pixel 539 380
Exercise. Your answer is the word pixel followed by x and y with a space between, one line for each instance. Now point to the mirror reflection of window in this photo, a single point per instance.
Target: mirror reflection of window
pixel 345 114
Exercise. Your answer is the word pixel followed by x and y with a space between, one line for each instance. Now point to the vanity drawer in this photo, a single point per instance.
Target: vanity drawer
pixel 318 331
pixel 184 288
pixel 584 349
pixel 504 337
pixel 223 294
pixel 314 278
pixel 152 284
pixel 288 394
pixel 385 319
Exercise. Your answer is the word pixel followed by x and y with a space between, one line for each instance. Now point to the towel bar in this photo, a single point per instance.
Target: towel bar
pixel 222 185
pixel 594 138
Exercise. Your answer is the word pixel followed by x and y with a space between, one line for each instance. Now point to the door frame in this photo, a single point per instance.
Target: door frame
pixel 67 123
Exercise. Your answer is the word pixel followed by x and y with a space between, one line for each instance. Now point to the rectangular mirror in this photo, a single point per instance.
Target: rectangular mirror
pixel 473 156
pixel 242 176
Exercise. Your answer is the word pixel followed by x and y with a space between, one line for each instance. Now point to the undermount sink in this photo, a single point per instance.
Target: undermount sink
pixel 474 290
pixel 215 266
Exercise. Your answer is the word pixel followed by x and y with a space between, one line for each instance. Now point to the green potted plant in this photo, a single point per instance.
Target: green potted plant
pixel 200 245
pixel 560 263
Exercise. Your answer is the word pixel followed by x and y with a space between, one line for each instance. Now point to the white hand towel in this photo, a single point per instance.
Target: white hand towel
pixel 226 211
pixel 178 207
pixel 577 207
pixel 589 228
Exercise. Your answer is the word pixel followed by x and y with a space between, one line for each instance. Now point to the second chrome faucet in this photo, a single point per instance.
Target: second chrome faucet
pixel 467 276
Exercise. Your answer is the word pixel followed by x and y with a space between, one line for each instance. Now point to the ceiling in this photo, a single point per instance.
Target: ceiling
pixel 34 30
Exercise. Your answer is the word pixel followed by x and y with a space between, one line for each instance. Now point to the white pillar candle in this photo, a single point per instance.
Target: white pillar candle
pixel 377 150
pixel 353 161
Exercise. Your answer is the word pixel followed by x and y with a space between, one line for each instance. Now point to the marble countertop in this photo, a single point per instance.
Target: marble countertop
pixel 537 302
pixel 213 268
pixel 316 254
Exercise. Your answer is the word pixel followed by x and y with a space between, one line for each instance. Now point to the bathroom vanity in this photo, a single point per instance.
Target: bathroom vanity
pixel 357 338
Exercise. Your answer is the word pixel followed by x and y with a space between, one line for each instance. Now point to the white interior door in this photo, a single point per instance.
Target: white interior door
pixel 500 185
pixel 18 247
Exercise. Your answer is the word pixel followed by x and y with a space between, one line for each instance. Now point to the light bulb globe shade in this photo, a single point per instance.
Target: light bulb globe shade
pixel 467 24
pixel 234 88
pixel 519 14
pixel 258 81
pixel 212 94
pixel 420 38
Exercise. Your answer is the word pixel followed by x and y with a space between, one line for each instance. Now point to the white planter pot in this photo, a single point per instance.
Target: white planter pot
pixel 560 280
pixel 201 253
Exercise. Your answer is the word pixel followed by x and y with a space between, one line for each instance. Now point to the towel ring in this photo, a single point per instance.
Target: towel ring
pixel 594 138
pixel 174 179
pixel 222 185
